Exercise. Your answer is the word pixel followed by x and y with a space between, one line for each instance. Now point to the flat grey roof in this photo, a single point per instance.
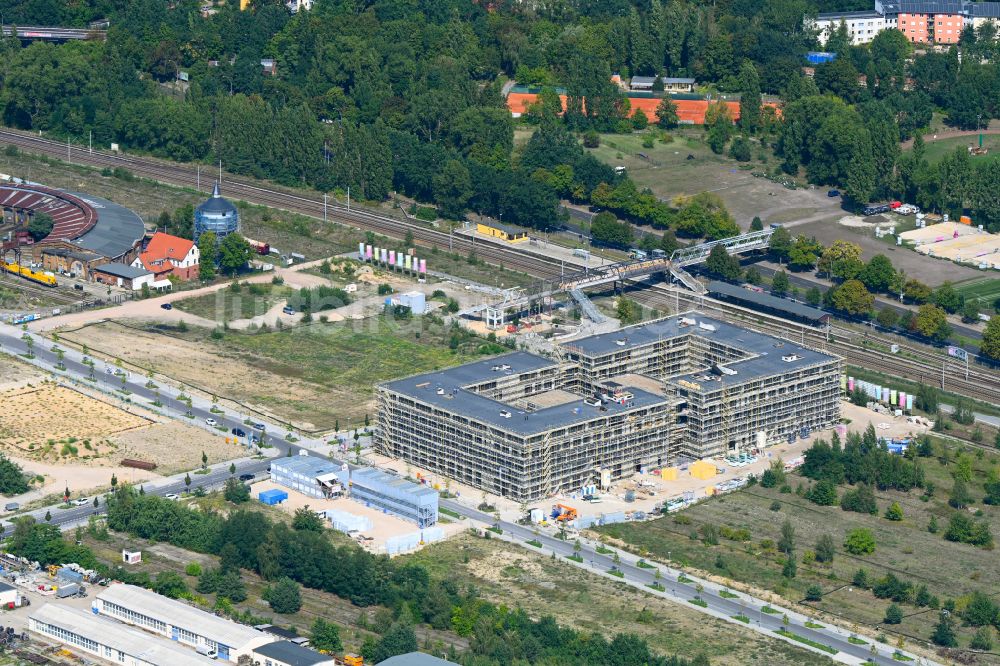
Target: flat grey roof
pixel 677 79
pixel 117 229
pixel 454 398
pixel 180 614
pixel 292 654
pixel 134 642
pixel 305 465
pixel 767 300
pixel 835 16
pixel 372 475
pixel 764 351
pixel 4 587
pixel 122 271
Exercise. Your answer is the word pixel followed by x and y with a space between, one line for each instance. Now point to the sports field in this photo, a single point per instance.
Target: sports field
pixel 985 291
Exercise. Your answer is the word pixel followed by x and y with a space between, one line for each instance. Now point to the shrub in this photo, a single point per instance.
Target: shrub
pixel 894 512
pixel 860 541
pixel 814 593
pixel 893 614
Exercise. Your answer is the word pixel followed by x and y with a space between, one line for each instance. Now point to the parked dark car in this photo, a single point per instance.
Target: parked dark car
pixel 239 432
pixel 246 477
pixel 166 306
pixel 833 193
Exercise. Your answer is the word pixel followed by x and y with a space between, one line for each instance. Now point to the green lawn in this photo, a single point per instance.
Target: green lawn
pixel 228 304
pixel 350 358
pixel 936 150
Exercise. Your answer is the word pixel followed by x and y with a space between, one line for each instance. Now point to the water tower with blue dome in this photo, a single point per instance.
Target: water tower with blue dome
pixel 217 215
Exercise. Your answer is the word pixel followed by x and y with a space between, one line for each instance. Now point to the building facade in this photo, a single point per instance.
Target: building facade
pixel 399 497
pixel 106 639
pixel 178 621
pixel 120 275
pixel 861 26
pixel 921 21
pixel 525 427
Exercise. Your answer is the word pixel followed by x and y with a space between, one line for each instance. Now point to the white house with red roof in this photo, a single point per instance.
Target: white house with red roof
pixel 169 255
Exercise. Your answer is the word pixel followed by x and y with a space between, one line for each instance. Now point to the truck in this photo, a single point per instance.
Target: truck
pixel 70 590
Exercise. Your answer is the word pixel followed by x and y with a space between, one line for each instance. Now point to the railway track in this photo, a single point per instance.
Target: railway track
pixel 28 287
pixel 948 375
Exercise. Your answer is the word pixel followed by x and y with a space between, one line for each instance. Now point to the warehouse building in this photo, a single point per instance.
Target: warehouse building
pixel 525 427
pixel 179 622
pixel 108 640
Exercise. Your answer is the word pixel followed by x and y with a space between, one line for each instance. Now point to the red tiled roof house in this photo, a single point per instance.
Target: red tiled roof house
pixel 169 255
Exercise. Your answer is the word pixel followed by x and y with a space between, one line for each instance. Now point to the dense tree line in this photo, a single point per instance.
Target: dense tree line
pixel 387 96
pixel 285 555
pixel 862 460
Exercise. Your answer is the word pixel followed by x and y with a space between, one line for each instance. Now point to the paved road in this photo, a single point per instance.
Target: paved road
pixel 77 372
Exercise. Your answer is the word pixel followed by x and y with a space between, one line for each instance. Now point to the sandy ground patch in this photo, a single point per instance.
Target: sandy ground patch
pixel 52 422
pixel 81 479
pixel 175 446
pixel 17 374
pixel 856 222
pixel 76 420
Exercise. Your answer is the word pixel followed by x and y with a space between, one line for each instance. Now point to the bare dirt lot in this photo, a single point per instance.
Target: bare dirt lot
pixel 15 373
pixel 77 439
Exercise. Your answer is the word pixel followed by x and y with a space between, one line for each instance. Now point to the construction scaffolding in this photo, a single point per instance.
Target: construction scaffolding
pixel 525 427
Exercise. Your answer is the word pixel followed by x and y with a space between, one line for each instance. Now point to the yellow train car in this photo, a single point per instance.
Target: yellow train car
pixel 502 233
pixel 28 274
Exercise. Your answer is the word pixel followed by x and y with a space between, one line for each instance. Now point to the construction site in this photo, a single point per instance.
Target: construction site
pixel 608 406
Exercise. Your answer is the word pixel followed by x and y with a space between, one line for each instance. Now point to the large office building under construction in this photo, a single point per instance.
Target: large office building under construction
pixel 524 426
